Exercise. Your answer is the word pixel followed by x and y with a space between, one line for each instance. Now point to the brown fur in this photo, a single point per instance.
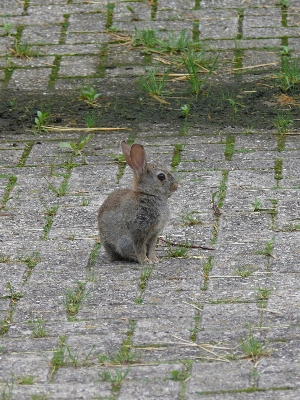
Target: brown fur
pixel 130 220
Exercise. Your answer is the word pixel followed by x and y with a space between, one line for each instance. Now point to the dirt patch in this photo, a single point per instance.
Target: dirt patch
pixel 245 105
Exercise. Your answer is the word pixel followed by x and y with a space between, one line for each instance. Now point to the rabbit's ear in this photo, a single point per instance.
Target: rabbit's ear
pixel 138 157
pixel 126 152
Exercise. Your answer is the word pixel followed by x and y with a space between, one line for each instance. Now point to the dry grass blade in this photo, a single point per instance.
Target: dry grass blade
pixel 158 98
pixel 254 66
pixel 192 305
pixel 66 129
pixel 201 346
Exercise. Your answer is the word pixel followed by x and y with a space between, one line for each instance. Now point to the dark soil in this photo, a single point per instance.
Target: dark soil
pixel 253 105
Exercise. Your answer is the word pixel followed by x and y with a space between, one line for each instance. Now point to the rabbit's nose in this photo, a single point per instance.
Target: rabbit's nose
pixel 174 186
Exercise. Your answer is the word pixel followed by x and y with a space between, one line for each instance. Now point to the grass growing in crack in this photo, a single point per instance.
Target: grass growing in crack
pixel 207 267
pixel 145 275
pixel 31 261
pixel 284 3
pixel 252 348
pixel 7 28
pixel 145 37
pixel 153 82
pixel 91 119
pixel 12 180
pixel 84 201
pixel 94 254
pixel 7 391
pixel 229 148
pixel 177 251
pixel 25 380
pixel 78 146
pixel 74 299
pixel 282 122
pixel 124 355
pixel 115 378
pixel 63 188
pixel 176 156
pixel 74 357
pixel 175 44
pixel 4 325
pixel 179 376
pixel 4 259
pixel 22 49
pixel 193 62
pixel 41 121
pixel 263 293
pixel 27 149
pixel 58 358
pixel 278 169
pixel 49 214
pixel 257 205
pixel 188 218
pixel 38 328
pixel 13 295
pixel 120 160
pixel 244 272
pixel 290 76
pixel 268 250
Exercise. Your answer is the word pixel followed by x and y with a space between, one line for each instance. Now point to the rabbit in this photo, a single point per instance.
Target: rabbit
pixel 130 220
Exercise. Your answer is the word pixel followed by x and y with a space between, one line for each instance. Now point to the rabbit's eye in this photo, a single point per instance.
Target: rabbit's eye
pixel 161 176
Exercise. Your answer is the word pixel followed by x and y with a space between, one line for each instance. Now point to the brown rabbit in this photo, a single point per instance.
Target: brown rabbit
pixel 130 220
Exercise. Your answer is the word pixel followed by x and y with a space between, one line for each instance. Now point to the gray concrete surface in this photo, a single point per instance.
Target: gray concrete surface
pixel 180 336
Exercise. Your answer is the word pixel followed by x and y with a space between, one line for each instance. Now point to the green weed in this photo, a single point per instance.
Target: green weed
pixel 175 44
pixel 268 250
pixel 257 205
pixel 290 75
pixel 41 122
pixel 89 95
pixel 74 357
pixel 39 397
pixel 282 122
pixel 263 293
pixel 31 260
pixel 62 189
pixel 25 380
pixel 38 328
pixel 284 3
pixel 91 119
pixel 188 218
pixel 7 391
pixel 153 82
pixel 178 148
pixel 244 272
pixel 84 201
pixel 115 378
pixel 22 49
pixel 58 358
pixel 14 296
pixel 7 28
pixel 207 267
pixel 229 148
pixel 12 180
pixel 251 347
pixel 74 299
pixel 179 376
pixel 78 146
pixel 177 251
pixel 146 38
